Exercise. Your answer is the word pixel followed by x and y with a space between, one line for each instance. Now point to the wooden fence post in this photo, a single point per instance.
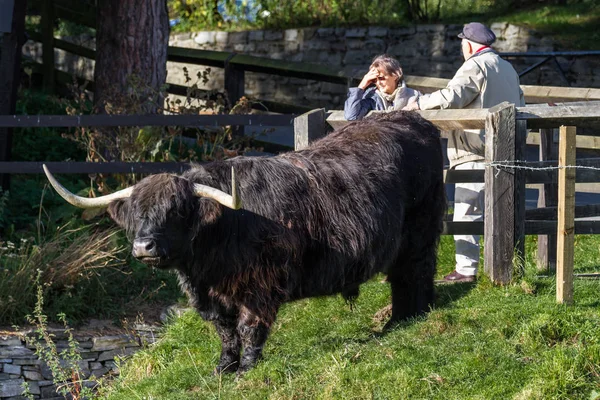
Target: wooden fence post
pixel 10 64
pixel 566 213
pixel 234 81
pixel 520 150
pixel 235 88
pixel 47 28
pixel 309 127
pixel 546 250
pixel 499 221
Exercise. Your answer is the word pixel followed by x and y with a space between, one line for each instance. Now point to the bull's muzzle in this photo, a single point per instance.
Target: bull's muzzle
pixel 147 251
pixel 143 248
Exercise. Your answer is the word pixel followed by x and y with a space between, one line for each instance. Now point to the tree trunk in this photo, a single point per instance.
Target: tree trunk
pixel 132 37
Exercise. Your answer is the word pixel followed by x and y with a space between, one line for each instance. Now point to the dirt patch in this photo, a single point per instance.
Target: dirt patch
pixel 147 315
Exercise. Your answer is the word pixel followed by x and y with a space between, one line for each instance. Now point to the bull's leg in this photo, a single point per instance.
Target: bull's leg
pixel 412 276
pixel 410 297
pixel 253 341
pixel 223 318
pixel 254 330
pixel 230 345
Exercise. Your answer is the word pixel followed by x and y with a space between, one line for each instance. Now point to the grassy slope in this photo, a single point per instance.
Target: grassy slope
pixel 574 27
pixel 481 342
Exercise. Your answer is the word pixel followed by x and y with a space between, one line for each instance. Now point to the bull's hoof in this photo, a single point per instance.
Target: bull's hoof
pixel 391 324
pixel 243 369
pixel 228 368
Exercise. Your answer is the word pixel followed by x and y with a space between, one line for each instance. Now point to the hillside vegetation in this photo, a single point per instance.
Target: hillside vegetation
pixel 573 23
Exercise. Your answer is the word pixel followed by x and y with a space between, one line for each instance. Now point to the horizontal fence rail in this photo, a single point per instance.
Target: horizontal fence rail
pixel 70 121
pixel 532 227
pixel 536 117
pixel 82 167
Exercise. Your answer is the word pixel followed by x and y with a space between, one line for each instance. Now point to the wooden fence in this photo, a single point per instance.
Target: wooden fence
pixel 506 173
pixel 506 221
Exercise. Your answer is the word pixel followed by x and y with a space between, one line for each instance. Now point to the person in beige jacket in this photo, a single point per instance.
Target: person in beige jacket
pixel 483 81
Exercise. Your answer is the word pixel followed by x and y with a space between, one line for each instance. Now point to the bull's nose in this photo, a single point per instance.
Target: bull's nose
pixel 144 248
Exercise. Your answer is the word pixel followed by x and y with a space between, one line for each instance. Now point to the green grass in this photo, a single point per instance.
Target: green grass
pixel 480 342
pixel 573 27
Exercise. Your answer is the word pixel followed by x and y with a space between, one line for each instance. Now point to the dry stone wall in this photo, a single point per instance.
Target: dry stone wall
pixel 424 50
pixel 19 364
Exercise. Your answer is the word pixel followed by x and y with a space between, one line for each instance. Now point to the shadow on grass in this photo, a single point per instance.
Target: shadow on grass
pixel 448 293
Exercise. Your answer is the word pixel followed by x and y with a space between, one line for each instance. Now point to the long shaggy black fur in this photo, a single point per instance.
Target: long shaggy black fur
pixel 367 198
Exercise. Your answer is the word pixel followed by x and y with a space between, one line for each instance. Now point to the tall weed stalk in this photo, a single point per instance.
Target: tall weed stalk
pixel 64 365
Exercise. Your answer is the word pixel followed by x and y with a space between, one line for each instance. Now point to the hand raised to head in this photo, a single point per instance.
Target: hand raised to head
pixel 369 78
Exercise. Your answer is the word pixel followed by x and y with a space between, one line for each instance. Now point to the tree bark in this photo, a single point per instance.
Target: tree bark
pixel 132 37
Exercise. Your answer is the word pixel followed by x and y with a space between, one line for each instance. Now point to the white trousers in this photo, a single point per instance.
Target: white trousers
pixel 469 204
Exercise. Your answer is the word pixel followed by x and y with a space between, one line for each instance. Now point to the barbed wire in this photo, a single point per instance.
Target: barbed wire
pixel 516 165
pixel 522 165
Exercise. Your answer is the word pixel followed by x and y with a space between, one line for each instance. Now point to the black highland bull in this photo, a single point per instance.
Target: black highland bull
pixel 367 198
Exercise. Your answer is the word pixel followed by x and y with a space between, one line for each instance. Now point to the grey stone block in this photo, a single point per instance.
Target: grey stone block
pixel 432 28
pixel 325 32
pixel 95 365
pixel 98 373
pixel 375 46
pixel 12 369
pixel 238 37
pixel 222 37
pixel 34 387
pixel 357 57
pixel 11 387
pixel 205 37
pixel 273 35
pixel 15 352
pixel 111 354
pixel 355 44
pixel 48 392
pixel 377 31
pixel 401 32
pixel 27 361
pixel 356 33
pixel 291 35
pixel 104 343
pixel 317 45
pixel 10 341
pixel 256 36
pixel 33 375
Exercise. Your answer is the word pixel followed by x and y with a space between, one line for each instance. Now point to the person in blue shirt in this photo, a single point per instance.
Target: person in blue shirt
pixel 382 88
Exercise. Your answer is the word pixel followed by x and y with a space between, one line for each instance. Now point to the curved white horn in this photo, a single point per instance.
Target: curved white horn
pixel 84 202
pixel 234 202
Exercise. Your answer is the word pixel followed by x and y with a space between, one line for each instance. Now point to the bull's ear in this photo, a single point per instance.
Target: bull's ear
pixel 211 211
pixel 119 210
